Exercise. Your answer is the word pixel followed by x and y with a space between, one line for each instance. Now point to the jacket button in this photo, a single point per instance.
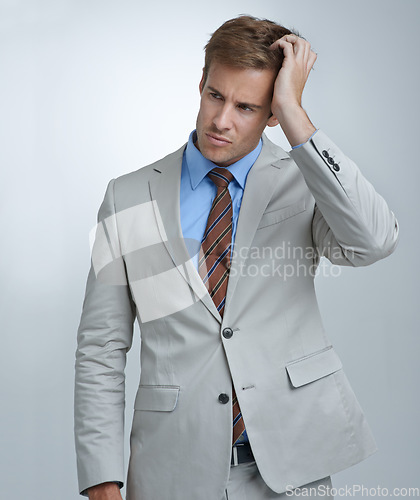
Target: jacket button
pixel 331 160
pixel 223 398
pixel 336 167
pixel 227 333
pixel 325 153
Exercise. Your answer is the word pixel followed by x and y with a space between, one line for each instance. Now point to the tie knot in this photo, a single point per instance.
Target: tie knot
pixel 221 177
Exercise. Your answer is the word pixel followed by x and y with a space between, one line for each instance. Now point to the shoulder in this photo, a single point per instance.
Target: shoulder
pixel 132 187
pixel 149 171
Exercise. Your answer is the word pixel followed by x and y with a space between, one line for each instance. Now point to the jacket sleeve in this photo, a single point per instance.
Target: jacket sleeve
pixel 352 224
pixel 104 337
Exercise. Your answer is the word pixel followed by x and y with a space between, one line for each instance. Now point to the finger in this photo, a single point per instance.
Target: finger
pixel 304 52
pixel 293 40
pixel 300 46
pixel 293 45
pixel 307 52
pixel 286 47
pixel 275 45
pixel 311 61
pixel 286 40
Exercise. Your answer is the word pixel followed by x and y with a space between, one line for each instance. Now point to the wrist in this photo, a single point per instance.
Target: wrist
pixel 286 106
pixel 104 491
pixel 295 123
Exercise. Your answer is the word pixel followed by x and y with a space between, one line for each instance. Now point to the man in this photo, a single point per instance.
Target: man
pixel 196 246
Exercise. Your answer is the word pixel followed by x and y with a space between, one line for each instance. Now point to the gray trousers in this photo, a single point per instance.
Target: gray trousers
pixel 246 483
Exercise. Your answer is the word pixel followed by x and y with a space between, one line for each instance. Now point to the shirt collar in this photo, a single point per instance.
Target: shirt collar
pixel 198 166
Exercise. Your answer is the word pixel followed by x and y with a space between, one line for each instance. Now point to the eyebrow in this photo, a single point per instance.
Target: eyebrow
pixel 246 104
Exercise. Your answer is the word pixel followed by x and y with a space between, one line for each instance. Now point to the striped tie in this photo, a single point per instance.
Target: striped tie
pixel 214 261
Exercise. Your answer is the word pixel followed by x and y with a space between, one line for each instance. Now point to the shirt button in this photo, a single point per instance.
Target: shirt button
pixel 223 398
pixel 227 333
pixel 331 160
pixel 336 167
pixel 325 153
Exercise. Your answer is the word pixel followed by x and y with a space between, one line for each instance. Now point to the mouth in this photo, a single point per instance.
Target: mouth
pixel 217 140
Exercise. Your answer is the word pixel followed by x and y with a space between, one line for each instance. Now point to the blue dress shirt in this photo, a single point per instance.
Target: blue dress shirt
pixel 198 192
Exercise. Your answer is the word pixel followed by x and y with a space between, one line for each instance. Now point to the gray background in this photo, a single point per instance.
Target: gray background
pixel 92 89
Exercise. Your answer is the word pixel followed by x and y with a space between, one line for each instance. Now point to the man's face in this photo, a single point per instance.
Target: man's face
pixel 234 111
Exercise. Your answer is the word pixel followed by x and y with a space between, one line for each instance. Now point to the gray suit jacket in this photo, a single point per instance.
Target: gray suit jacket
pixel 302 418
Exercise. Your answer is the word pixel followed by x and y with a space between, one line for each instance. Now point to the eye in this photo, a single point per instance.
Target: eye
pixel 215 96
pixel 244 107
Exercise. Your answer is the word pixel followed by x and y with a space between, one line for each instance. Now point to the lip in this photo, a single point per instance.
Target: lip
pixel 217 140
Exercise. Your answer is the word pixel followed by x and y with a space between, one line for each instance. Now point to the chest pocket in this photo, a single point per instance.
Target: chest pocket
pixel 276 216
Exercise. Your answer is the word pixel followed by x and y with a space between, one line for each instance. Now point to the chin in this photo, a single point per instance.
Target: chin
pixel 216 159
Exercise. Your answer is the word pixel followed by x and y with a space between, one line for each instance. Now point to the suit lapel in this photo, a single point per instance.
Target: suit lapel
pixel 165 192
pixel 259 188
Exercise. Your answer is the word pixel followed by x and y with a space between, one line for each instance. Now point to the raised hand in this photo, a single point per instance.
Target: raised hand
pixel 288 88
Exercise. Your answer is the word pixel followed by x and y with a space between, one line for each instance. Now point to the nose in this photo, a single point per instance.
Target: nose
pixel 223 119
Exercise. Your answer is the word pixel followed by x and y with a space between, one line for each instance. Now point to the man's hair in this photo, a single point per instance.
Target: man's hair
pixel 243 42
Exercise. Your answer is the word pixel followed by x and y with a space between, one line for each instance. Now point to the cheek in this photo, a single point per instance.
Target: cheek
pixel 250 133
pixel 202 115
pixel 250 128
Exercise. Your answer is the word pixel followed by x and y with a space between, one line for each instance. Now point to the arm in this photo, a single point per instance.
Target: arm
pixel 104 337
pixel 352 224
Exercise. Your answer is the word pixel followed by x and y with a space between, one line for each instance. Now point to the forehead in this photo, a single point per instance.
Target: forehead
pixel 242 84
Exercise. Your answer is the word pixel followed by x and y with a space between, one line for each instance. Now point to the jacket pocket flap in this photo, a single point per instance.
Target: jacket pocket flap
pixel 156 397
pixel 270 218
pixel 313 367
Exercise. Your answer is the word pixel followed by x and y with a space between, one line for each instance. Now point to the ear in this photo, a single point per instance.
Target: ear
pixel 201 85
pixel 272 121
